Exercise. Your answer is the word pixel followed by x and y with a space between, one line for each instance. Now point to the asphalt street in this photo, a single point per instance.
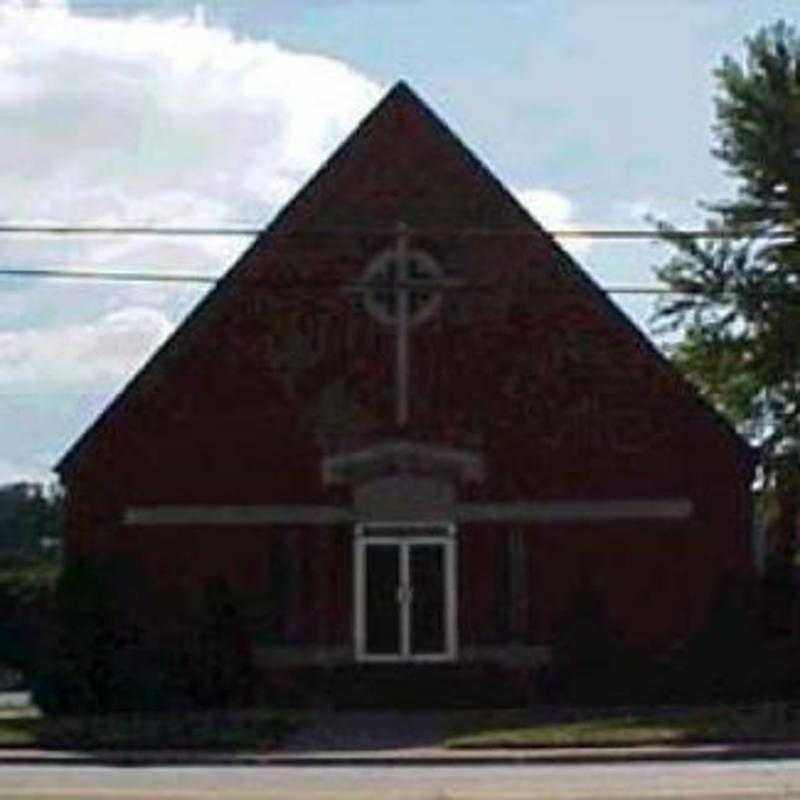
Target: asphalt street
pixel 739 780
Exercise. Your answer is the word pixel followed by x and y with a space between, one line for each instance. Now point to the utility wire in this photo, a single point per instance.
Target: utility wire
pixel 98 275
pixel 564 233
pixel 139 276
pixel 196 278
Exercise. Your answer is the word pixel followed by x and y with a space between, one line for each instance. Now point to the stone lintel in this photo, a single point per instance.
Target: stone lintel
pixel 402 457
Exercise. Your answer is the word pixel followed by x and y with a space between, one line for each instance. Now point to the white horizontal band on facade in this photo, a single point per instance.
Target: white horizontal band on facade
pixel 577 511
pixel 668 509
pixel 237 515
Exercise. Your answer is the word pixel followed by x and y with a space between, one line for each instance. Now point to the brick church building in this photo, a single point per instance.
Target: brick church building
pixel 406 427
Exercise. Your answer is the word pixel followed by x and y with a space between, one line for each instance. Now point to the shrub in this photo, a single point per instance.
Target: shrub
pixel 726 659
pixel 78 665
pixel 26 591
pixel 590 661
pixel 210 665
pixel 97 660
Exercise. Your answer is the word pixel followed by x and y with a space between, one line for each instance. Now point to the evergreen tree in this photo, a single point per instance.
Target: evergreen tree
pixel 737 301
pixel 30 518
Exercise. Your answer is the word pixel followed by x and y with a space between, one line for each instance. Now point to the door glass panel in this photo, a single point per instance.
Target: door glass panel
pixel 428 604
pixel 382 617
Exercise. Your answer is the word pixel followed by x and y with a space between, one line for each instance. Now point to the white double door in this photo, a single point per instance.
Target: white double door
pixel 405 593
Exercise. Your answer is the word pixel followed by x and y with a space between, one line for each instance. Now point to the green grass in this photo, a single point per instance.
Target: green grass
pixel 18 731
pixel 261 730
pixel 520 728
pixel 214 730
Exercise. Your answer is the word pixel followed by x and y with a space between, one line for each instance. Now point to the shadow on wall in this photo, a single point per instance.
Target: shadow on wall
pixel 728 658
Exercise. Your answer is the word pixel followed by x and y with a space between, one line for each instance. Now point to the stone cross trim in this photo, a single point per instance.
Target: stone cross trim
pixel 400 275
pixel 402 324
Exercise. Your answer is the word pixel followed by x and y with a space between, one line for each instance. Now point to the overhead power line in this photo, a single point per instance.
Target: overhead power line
pixel 141 276
pixel 107 275
pixel 126 230
pixel 559 233
pixel 129 276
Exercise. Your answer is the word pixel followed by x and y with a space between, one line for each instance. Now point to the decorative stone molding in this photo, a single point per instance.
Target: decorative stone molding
pixel 402 457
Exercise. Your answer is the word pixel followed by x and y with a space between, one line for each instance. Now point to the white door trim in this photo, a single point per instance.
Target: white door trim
pixel 447 541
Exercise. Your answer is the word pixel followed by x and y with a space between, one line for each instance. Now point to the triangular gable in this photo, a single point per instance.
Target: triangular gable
pixel 490 204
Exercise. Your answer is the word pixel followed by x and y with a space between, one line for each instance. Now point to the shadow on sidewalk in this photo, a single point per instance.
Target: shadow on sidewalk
pixel 359 731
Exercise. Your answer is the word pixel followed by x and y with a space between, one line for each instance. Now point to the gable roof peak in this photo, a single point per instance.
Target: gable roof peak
pixel 401 87
pixel 401 109
pixel 401 91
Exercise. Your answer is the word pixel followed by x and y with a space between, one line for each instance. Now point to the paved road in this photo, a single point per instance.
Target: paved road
pixel 732 781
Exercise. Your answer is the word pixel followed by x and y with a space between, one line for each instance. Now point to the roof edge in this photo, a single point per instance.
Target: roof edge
pixel 273 228
pixel 283 217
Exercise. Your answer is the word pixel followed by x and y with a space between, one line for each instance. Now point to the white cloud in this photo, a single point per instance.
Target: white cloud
pixel 98 353
pixel 13 472
pixel 160 121
pixel 156 120
pixel 135 120
pixel 554 211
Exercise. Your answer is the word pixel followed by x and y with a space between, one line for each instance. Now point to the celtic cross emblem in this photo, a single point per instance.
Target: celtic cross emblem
pixel 401 288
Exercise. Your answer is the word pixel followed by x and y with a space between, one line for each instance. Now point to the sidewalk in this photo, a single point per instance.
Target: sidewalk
pixel 423 756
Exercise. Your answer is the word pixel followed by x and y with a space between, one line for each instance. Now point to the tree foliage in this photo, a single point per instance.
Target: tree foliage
pixel 30 534
pixel 736 302
pixel 30 519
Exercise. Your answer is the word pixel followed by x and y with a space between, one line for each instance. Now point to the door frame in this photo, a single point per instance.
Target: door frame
pixel 447 539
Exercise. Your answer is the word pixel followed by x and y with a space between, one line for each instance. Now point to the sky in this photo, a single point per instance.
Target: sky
pixel 595 113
